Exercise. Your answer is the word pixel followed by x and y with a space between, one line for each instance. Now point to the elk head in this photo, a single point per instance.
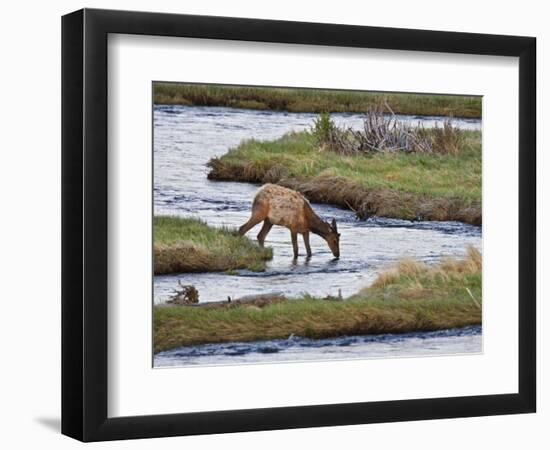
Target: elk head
pixel 333 239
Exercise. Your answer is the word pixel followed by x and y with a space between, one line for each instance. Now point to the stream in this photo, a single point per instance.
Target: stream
pixel 186 138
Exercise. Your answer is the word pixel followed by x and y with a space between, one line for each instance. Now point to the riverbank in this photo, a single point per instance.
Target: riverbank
pixel 314 100
pixel 412 186
pixel 412 296
pixel 190 245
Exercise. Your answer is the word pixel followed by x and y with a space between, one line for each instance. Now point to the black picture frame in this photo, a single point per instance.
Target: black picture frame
pixel 84 224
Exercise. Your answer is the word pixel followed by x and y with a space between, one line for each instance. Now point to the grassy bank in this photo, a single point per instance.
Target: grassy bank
pixel 401 185
pixel 190 245
pixel 313 100
pixel 409 297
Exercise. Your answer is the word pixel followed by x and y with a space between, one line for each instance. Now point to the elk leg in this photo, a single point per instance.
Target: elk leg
pixel 306 243
pixel 294 237
pixel 263 232
pixel 253 221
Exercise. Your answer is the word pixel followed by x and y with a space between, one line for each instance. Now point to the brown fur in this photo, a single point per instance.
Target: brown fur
pixel 277 205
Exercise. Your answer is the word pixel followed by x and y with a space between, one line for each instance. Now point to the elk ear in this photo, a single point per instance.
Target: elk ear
pixel 333 225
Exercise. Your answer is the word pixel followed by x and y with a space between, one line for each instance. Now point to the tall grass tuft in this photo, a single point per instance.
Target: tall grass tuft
pixel 415 273
pixel 447 140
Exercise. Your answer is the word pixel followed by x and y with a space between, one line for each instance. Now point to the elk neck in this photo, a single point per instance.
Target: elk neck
pixel 316 224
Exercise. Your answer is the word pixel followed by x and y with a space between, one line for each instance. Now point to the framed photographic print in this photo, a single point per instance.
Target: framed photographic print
pixel 273 224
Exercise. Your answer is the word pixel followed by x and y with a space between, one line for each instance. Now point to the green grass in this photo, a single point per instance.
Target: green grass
pixel 409 297
pixel 435 175
pixel 190 245
pixel 313 100
pixel 401 185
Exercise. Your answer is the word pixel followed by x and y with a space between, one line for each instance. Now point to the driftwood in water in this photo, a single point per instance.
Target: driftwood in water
pixel 258 301
pixel 183 298
pixel 186 295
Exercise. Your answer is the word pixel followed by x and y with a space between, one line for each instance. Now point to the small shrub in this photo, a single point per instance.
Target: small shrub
pixel 323 128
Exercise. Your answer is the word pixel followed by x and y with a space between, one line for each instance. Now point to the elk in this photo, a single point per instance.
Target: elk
pixel 277 205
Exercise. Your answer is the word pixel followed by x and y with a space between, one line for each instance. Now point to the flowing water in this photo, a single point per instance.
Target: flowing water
pixel 432 343
pixel 186 138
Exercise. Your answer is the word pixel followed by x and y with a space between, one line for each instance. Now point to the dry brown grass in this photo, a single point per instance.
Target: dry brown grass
pixel 448 139
pixel 365 202
pixel 384 202
pixel 182 257
pixel 417 273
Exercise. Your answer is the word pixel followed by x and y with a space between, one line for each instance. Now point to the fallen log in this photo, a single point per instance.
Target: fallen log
pixel 259 301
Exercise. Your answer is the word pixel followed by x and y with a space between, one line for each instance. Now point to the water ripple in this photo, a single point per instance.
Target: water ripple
pixel 406 344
